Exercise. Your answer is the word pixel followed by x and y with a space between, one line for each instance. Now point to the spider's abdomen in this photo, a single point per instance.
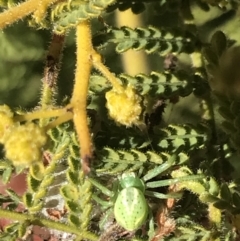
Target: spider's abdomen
pixel 131 208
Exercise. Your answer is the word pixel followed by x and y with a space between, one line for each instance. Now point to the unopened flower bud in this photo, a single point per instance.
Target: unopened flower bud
pixel 6 120
pixel 23 144
pixel 124 107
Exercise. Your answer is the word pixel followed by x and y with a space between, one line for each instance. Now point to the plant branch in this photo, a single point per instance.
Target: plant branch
pixel 61 119
pixel 39 114
pixel 51 71
pixel 80 91
pixel 98 64
pixel 22 10
pixel 37 220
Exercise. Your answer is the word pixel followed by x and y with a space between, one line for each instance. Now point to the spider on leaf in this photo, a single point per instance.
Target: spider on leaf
pixel 127 198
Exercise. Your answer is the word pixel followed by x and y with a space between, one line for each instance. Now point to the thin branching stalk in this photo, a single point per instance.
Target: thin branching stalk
pixel 61 119
pixel 41 114
pixel 20 11
pixel 98 64
pixel 46 223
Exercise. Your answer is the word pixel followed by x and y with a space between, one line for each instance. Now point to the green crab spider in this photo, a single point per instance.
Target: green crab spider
pixel 128 200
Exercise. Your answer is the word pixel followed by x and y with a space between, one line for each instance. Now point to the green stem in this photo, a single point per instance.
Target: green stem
pixel 47 223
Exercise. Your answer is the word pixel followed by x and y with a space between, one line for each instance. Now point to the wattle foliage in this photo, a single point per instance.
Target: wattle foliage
pixel 174 127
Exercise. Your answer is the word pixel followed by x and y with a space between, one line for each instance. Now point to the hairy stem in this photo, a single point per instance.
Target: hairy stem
pixel 39 114
pixel 22 10
pixel 80 91
pixel 61 119
pixel 51 71
pixel 98 64
pixel 46 223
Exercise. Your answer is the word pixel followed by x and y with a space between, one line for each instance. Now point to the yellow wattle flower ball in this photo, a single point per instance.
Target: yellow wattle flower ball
pixel 124 106
pixel 23 144
pixel 6 120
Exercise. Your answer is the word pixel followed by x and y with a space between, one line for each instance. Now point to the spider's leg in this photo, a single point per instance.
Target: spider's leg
pixel 176 195
pixel 160 169
pixel 172 181
pixel 102 188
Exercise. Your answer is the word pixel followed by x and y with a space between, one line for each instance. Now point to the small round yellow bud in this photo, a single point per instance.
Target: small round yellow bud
pixel 23 144
pixel 6 120
pixel 124 107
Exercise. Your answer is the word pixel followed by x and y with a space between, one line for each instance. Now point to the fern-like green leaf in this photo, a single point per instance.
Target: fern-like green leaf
pixel 70 14
pixel 149 39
